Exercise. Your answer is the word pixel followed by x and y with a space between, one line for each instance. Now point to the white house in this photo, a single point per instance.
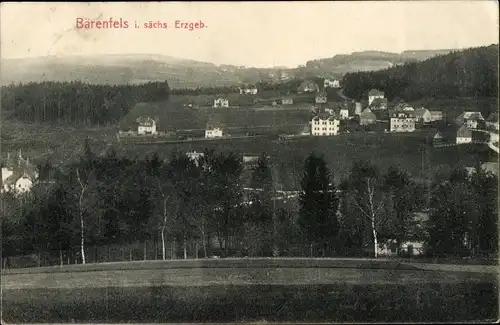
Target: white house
pixel 374 94
pixel 331 83
pixel 252 90
pixel 324 125
pixel 401 121
pixel 18 175
pixel 436 115
pixel 146 126
pixel 464 135
pixel 221 102
pixel 344 114
pixel 214 130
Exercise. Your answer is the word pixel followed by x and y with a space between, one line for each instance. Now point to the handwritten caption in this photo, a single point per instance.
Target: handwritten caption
pixel 120 23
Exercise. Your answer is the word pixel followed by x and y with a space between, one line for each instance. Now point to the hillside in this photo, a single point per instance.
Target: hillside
pixel 184 73
pixel 460 74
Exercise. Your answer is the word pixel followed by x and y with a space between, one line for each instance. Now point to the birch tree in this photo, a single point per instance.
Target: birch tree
pixel 365 189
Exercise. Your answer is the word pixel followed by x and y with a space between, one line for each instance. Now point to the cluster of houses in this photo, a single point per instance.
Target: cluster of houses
pixel 18 174
pixel 401 118
pixel 466 123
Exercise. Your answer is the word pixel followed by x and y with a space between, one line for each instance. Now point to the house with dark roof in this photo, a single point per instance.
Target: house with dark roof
pixel 464 135
pixel 378 104
pixel 308 86
pixel 374 94
pixel 422 115
pixel 438 139
pixel 18 174
pixel 436 115
pixel 471 119
pixel 367 117
pixel 147 125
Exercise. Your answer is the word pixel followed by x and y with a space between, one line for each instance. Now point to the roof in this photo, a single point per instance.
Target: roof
pixel 381 115
pixel 420 112
pixel 367 114
pixel 220 97
pixel 321 94
pixel 145 121
pixel 436 113
pixel 490 167
pixel 438 135
pixel 469 116
pixel 19 167
pixel 394 113
pixel 464 132
pixel 324 116
pixel 214 125
pixel 493 117
pixel 375 92
pixel 378 102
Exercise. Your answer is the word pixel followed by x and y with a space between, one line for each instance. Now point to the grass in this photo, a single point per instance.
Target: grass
pixel 338 302
pixel 174 118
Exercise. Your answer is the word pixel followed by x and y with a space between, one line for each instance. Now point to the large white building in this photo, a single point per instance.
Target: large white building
pixel 147 125
pixel 324 125
pixel 18 175
pixel 402 122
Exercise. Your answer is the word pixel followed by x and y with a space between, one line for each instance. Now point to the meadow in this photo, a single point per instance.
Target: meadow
pixel 309 290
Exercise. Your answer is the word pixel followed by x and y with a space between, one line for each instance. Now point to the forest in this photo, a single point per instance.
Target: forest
pixel 112 199
pixel 469 73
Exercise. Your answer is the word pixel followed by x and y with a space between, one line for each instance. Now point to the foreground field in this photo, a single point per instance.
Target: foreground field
pixel 332 291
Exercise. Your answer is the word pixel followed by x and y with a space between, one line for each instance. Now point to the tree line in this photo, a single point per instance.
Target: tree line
pixel 102 200
pixel 77 103
pixel 468 73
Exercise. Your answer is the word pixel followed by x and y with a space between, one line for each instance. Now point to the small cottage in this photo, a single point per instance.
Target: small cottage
pixel 221 102
pixel 214 130
pixel 147 125
pixel 321 98
pixel 464 135
pixel 367 117
pixel 378 104
pixel 308 86
pixel 374 94
pixel 438 139
pixel 287 101
pixel 422 115
pixel 436 116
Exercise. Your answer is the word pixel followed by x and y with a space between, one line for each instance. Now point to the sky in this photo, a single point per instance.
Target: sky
pixel 259 34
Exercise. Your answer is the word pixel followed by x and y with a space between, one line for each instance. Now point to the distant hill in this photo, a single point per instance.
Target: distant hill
pixel 466 73
pixel 184 73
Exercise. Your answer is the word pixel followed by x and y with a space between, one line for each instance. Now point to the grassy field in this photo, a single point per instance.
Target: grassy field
pixel 58 143
pixel 264 290
pixel 176 118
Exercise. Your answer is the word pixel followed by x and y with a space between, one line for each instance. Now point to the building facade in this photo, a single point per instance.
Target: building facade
pixel 18 174
pixel 221 102
pixel 324 125
pixel 402 122
pixel 147 125
pixel 374 94
pixel 464 135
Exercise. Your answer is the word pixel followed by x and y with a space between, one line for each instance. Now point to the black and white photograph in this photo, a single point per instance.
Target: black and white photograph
pixel 249 162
